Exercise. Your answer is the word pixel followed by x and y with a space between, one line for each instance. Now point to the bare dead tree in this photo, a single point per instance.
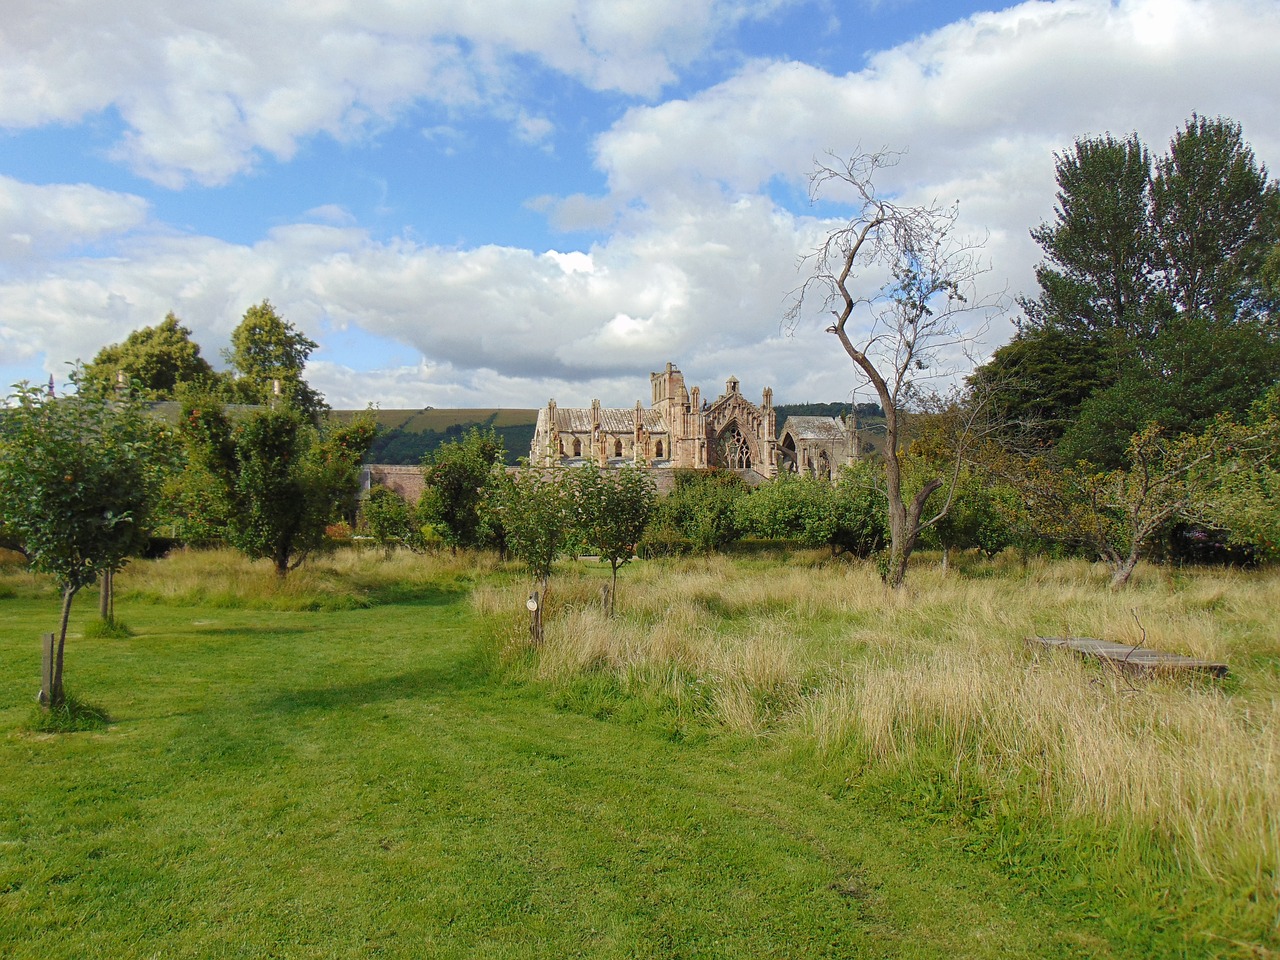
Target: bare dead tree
pixel 901 330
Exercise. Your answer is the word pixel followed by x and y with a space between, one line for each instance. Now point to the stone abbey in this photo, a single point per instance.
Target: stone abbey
pixel 680 429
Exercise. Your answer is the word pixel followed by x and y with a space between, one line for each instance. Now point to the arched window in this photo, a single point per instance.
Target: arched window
pixel 577 447
pixel 735 452
pixel 617 448
pixel 562 448
pixel 658 454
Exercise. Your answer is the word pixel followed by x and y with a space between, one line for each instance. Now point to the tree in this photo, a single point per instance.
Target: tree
pixel 391 522
pixel 913 316
pixel 78 476
pixel 267 350
pixel 1239 491
pixel 1155 292
pixel 790 507
pixel 613 508
pixel 1037 383
pixel 456 475
pixel 977 518
pixel 1213 212
pixel 1118 513
pixel 1196 368
pixel 847 515
pixel 1096 282
pixel 700 510
pixel 278 480
pixel 157 359
pixel 535 509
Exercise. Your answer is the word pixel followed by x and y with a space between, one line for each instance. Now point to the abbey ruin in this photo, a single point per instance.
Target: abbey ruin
pixel 680 429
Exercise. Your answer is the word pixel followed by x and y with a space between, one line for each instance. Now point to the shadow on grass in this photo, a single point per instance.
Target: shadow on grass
pixel 414 595
pixel 199 630
pixel 428 682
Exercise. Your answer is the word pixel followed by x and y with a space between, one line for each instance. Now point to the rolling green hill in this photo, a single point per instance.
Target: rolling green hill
pixel 405 436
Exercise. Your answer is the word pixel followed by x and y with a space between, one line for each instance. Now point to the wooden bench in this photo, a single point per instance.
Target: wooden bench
pixel 1135 659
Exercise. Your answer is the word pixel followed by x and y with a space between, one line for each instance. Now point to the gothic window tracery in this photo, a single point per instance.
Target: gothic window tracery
pixel 735 451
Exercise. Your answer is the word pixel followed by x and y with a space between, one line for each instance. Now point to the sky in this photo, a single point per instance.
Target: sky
pixel 496 202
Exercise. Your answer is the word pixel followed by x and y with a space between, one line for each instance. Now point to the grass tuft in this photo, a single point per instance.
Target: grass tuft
pixel 107 630
pixel 73 715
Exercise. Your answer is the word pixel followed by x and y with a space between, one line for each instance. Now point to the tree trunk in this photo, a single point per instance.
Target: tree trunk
pixel 535 617
pixel 54 696
pixel 107 598
pixel 613 591
pixel 904 522
pixel 1122 571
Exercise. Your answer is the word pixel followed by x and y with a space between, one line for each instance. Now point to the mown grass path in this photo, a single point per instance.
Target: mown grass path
pixel 357 784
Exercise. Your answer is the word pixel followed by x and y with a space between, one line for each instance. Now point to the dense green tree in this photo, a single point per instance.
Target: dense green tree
pixel 158 359
pixel 1197 367
pixel 1213 215
pixel 978 518
pixel 278 481
pixel 612 509
pixel 391 521
pixel 1096 280
pixel 456 475
pixel 800 509
pixel 1270 278
pixel 192 509
pixel 1038 381
pixel 265 350
pixel 700 510
pixel 78 476
pixel 1239 490
pixel 1156 276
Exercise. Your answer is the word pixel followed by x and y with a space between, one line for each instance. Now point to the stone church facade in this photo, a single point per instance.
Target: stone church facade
pixel 677 429
pixel 817 446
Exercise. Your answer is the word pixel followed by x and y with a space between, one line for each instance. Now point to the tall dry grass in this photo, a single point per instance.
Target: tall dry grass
pixel 826 654
pixel 342 580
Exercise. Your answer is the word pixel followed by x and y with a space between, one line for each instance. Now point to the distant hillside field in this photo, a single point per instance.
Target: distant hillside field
pixel 406 436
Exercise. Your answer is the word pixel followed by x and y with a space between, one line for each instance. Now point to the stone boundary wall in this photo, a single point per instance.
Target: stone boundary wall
pixel 404 479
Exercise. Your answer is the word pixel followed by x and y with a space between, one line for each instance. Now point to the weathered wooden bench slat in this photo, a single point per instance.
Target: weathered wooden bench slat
pixel 1128 657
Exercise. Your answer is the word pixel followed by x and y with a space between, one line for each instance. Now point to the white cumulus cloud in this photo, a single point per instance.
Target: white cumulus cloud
pixel 701 222
pixel 205 89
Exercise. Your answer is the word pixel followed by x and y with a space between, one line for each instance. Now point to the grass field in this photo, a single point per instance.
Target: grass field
pixel 755 758
pixel 416 421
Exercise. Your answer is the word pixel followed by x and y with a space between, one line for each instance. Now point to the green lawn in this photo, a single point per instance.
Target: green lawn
pixel 365 783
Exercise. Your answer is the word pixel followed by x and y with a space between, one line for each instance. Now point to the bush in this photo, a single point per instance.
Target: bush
pixel 663 541
pixel 702 509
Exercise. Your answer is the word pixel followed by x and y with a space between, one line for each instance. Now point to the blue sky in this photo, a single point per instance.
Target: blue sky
pixel 492 202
